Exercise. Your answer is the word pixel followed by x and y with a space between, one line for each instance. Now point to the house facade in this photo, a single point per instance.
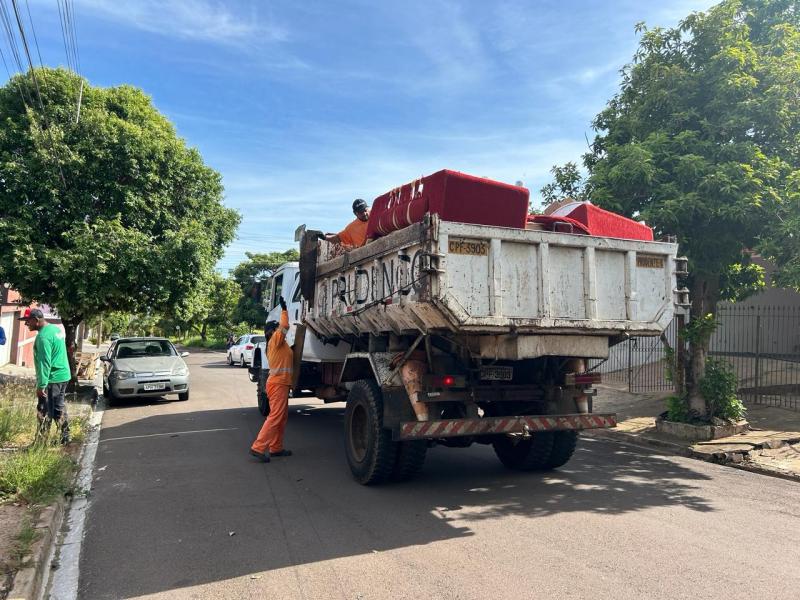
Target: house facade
pixel 18 349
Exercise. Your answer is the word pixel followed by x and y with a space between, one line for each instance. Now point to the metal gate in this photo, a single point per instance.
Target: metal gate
pixel 640 363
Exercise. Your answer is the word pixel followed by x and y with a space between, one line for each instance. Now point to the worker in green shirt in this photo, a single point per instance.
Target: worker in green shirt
pixel 52 369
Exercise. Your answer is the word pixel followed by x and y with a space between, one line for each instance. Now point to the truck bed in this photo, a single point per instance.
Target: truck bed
pixel 440 276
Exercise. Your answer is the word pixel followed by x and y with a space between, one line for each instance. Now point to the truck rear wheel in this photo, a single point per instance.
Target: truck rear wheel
pixel 369 448
pixel 261 390
pixel 564 443
pixel 525 454
pixel 410 459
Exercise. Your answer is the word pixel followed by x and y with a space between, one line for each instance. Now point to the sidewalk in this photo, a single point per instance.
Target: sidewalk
pixel 771 447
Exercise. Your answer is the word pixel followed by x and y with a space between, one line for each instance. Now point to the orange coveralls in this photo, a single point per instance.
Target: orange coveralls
pixel 355 234
pixel 281 359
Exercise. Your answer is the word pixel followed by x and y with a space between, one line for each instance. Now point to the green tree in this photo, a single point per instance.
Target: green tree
pixel 252 275
pixel 703 141
pixel 567 184
pixel 221 301
pixel 110 213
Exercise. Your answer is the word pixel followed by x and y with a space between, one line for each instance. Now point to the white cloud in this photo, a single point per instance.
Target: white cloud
pixel 188 19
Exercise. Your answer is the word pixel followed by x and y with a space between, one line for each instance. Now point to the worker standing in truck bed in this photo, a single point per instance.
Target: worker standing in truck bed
pixel 355 234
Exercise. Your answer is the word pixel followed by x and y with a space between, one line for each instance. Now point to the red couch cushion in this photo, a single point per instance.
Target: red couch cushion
pixel 604 223
pixel 453 196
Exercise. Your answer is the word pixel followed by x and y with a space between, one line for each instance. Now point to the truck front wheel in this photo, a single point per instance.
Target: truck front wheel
pixel 370 451
pixel 525 453
pixel 261 390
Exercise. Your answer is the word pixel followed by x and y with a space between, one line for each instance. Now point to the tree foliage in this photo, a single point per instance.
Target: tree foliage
pixel 703 141
pixel 253 275
pixel 112 213
pixel 567 184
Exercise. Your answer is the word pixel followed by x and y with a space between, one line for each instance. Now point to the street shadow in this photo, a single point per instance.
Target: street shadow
pixel 128 401
pixel 193 507
pixel 220 365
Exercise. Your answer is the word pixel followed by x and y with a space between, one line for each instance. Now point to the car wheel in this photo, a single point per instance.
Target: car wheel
pixel 108 395
pixel 184 396
pixel 242 363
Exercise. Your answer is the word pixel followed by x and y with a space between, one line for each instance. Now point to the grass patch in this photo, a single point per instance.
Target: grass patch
pixel 37 475
pixel 23 542
pixel 197 342
pixel 17 414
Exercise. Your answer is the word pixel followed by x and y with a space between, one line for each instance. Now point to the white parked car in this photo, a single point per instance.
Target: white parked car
pixel 241 353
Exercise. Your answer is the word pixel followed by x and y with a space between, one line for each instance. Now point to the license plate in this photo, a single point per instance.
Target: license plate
pixel 497 373
pixel 153 387
pixel 468 246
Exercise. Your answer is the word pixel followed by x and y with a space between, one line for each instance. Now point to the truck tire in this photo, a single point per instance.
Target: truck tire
pixel 370 451
pixel 410 459
pixel 525 454
pixel 564 443
pixel 261 391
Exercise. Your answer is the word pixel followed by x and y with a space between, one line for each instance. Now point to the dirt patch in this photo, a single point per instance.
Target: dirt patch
pixel 11 520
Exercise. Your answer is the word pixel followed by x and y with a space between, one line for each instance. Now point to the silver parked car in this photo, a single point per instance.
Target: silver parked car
pixel 241 352
pixel 142 367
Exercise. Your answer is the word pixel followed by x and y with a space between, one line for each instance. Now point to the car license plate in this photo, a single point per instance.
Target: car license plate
pixel 153 387
pixel 497 373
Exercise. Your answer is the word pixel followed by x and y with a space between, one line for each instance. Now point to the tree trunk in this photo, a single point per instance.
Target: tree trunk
pixel 70 327
pixel 203 331
pixel 705 294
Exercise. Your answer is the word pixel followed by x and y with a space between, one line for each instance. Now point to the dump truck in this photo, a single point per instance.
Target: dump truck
pixel 455 334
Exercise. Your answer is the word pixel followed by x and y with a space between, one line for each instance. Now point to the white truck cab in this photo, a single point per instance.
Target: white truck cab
pixel 286 282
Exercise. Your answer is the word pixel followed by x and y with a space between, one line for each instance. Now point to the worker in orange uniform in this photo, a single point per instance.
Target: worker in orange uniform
pixel 280 357
pixel 355 234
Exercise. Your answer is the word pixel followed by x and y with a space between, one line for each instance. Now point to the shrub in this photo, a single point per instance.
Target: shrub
pixel 678 410
pixel 719 386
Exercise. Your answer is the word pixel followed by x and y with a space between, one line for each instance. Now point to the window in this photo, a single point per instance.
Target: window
pixel 144 348
pixel 297 295
pixel 239 342
pixel 278 291
pixel 257 339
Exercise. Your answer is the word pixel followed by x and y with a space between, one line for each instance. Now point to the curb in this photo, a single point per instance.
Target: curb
pixel 639 440
pixel 30 582
pixel 737 460
pixel 27 583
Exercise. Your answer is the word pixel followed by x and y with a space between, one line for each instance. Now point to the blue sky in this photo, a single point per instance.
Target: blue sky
pixel 304 106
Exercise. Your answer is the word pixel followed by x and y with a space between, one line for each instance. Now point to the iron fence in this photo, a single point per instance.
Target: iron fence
pixel 761 343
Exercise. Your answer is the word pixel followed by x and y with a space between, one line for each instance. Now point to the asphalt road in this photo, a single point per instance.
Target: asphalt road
pixel 180 510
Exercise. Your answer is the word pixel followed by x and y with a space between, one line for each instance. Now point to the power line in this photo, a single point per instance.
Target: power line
pixel 74 34
pixel 33 31
pixel 11 38
pixel 65 36
pixel 38 91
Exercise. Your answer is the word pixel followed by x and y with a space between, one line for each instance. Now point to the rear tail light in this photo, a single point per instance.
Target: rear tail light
pixel 582 378
pixel 249 347
pixel 445 381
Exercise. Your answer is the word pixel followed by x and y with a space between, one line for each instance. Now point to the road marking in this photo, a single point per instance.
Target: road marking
pixel 175 433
